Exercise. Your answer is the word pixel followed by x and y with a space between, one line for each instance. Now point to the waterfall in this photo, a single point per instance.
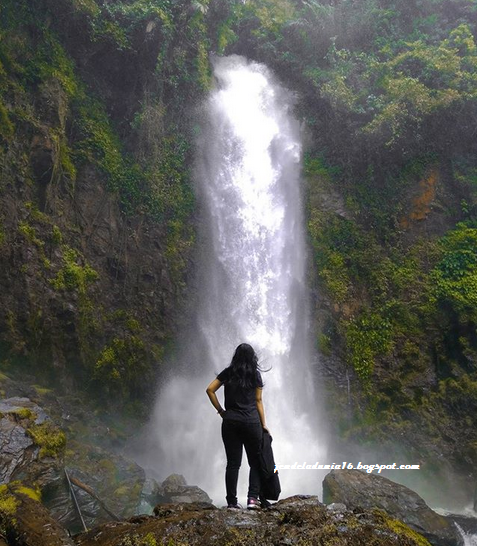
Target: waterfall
pixel 252 287
pixel 468 538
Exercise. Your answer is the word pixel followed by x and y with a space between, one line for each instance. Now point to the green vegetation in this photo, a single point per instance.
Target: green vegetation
pixel 6 126
pixel 56 235
pixel 122 367
pixel 42 391
pixel 398 87
pixel 23 413
pixel 147 540
pixel 400 528
pixel 35 214
pixel 50 439
pixel 48 97
pixel 73 276
pixel 30 233
pixel 97 143
pixel 455 276
pixel 8 503
pixel 151 186
pixel 392 93
pixel 34 494
pixel 125 363
pixel 8 507
pixel 366 337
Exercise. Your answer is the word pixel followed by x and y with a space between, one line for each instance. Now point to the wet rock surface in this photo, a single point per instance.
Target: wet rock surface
pixel 357 489
pixel 26 522
pixel 27 444
pixel 300 520
pixel 174 489
pixel 114 479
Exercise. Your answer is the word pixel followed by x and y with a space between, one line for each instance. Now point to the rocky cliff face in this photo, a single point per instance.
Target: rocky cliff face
pixel 95 225
pixel 412 406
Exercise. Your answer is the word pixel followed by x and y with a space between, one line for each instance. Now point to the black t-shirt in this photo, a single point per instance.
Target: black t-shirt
pixel 240 403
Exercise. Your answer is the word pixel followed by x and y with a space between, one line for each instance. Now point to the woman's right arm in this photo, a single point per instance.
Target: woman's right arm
pixel 261 411
pixel 211 389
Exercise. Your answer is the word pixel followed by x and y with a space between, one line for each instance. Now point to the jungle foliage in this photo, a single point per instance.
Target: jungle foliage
pixel 388 92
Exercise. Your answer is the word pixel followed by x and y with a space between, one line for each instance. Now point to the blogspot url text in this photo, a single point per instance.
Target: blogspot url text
pixel 348 466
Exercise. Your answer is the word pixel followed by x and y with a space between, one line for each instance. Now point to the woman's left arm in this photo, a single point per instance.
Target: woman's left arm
pixel 211 389
pixel 261 411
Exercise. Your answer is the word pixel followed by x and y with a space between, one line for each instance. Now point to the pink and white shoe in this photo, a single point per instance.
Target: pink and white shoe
pixel 253 504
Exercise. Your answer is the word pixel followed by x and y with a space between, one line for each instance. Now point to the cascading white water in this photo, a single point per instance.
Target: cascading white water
pixel 253 286
pixel 469 539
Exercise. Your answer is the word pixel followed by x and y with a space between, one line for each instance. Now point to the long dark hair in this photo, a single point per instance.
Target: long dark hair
pixel 244 367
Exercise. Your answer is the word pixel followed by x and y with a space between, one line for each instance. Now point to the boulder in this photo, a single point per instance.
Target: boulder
pixel 358 489
pixel 147 498
pixel 174 489
pixel 296 520
pixel 32 451
pixel 24 521
pixel 31 446
pixel 171 484
pixel 116 480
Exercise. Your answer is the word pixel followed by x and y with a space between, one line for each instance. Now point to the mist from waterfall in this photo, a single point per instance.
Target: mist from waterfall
pixel 252 288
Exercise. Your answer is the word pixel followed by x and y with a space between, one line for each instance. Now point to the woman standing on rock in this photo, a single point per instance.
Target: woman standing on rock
pixel 243 420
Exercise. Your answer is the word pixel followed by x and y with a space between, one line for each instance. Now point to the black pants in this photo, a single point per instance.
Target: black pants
pixel 235 435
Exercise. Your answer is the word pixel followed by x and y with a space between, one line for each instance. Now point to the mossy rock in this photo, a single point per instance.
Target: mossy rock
pixel 115 480
pixel 401 528
pixel 361 490
pixel 23 413
pixel 50 439
pixel 25 521
pixel 300 520
pixel 36 445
